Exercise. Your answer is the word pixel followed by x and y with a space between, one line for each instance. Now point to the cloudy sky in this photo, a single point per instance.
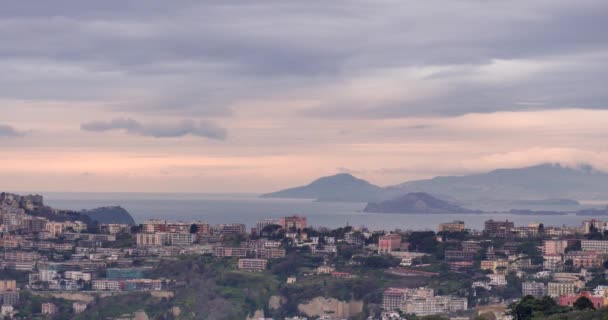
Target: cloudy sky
pixel 252 96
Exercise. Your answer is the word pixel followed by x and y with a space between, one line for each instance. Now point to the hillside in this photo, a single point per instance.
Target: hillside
pixel 545 181
pixel 418 202
pixel 109 215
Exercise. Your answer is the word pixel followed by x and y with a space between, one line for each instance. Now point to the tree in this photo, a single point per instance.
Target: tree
pixel 583 303
pixel 193 228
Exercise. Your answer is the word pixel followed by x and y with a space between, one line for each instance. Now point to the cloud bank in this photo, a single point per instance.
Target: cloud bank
pixel 201 128
pixel 8 131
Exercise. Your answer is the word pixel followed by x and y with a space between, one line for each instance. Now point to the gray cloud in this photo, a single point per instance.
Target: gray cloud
pixel 9 132
pixel 186 127
pixel 202 58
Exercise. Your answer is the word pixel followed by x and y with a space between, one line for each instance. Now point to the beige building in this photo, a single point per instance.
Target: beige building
pixel 151 239
pixel 557 289
pixel 454 226
pixel 253 264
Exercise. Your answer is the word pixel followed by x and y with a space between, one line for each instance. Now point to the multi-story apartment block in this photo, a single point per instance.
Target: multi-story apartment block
pixel 253 264
pixel 270 253
pixel 114 228
pixel 458 255
pixel 388 243
pixel 229 229
pixel 181 239
pixel 471 246
pixel 585 259
pixel 49 308
pixel 494 265
pixel 454 226
pixel 551 247
pixel 593 224
pixel 8 285
pixel 230 252
pixel 499 229
pixel 394 299
pixel 535 289
pixel 77 275
pixel 152 239
pixel 294 222
pixel 553 262
pixel 557 289
pixel 594 245
pixel 154 225
pixel 21 255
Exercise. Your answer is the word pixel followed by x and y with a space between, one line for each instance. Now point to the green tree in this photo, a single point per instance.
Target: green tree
pixel 583 303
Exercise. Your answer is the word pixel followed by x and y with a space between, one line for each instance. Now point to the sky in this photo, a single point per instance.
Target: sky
pixel 254 96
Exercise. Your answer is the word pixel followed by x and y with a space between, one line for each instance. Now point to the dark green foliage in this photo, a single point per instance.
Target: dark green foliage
pixel 422 241
pixel 529 308
pixel 583 303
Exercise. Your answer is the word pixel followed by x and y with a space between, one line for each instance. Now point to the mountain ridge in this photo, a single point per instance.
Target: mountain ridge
pixel 538 182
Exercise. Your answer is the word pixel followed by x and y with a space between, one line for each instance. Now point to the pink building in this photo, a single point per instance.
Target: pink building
pixel 598 301
pixel 389 243
pixel 555 246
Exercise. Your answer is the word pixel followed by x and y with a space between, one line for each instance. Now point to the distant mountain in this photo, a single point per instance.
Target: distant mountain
pixel 545 181
pixel 109 215
pixel 418 202
pixel 545 184
pixel 340 187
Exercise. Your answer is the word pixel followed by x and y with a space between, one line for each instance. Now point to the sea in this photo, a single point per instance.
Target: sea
pixel 248 208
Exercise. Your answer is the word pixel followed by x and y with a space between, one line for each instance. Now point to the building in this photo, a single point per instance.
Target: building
pixel 498 229
pixel 294 222
pixel 8 285
pixel 79 307
pixel 553 262
pixel 230 252
pixel 261 224
pixel 435 305
pixel 458 255
pixel 151 239
pixel 558 289
pixel 594 245
pixel 593 225
pixel 494 265
pixel 533 288
pixel 585 259
pixel 107 285
pixel 389 242
pixel 497 280
pixel 569 300
pixel 181 239
pixel 154 226
pixel 471 246
pixel 394 299
pixel 9 298
pixel 78 275
pixel 49 308
pixel 271 253
pixel 454 226
pixel 552 247
pixel 253 264
pixel 230 229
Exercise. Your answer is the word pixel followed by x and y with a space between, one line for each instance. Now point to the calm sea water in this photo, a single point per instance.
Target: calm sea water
pixel 247 208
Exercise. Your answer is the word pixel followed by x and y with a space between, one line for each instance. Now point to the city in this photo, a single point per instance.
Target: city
pixel 57 268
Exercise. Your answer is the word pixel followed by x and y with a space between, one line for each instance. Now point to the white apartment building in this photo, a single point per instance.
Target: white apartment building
pixel 78 275
pixel 594 245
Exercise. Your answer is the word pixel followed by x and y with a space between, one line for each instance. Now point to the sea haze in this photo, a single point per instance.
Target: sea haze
pixel 248 208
